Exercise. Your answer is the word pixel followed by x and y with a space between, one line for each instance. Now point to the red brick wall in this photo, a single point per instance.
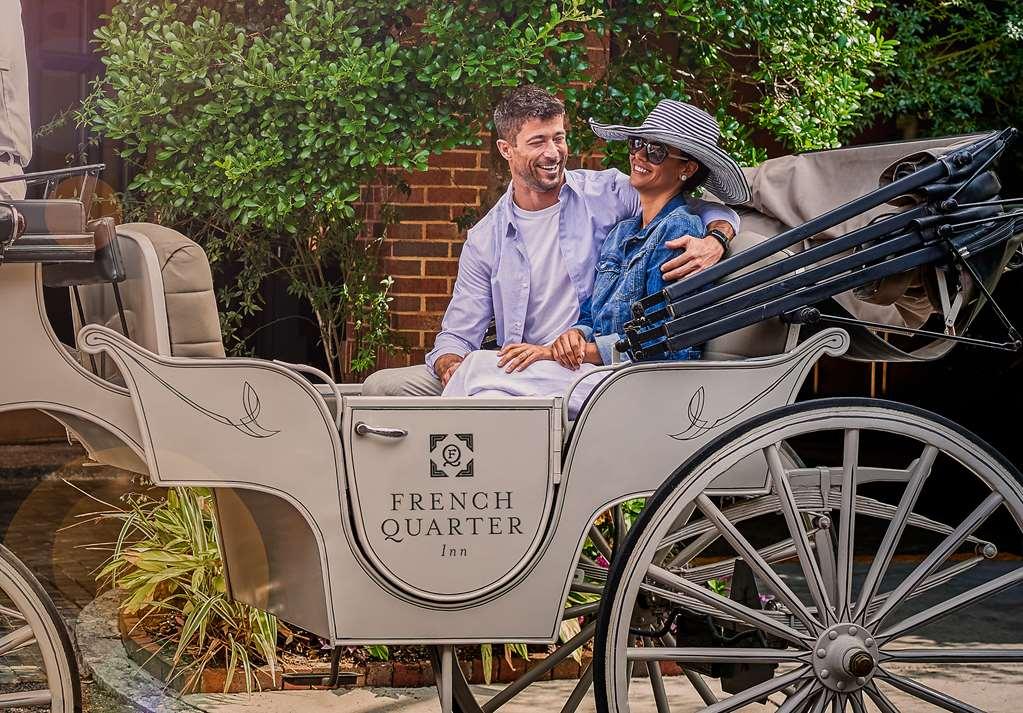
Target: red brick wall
pixel 421 249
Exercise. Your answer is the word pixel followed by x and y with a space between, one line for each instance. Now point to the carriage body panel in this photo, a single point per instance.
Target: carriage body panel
pixel 246 424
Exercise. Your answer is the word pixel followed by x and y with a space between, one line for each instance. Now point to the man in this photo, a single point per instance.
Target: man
pixel 15 122
pixel 530 262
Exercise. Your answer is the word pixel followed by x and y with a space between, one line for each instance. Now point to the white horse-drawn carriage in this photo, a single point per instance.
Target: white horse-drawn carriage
pixel 787 552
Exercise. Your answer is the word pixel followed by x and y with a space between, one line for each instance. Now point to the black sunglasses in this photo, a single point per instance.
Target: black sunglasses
pixel 656 152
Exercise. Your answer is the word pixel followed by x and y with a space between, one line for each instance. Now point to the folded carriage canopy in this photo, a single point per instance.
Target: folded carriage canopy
pixel 932 239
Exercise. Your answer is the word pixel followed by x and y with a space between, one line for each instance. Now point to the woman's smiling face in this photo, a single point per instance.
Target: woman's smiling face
pixel 658 178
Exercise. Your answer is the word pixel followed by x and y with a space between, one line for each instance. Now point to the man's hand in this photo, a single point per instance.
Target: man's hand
pixel 570 349
pixel 516 357
pixel 445 367
pixel 699 253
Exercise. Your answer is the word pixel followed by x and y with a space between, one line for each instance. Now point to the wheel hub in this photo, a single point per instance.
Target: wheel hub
pixel 845 657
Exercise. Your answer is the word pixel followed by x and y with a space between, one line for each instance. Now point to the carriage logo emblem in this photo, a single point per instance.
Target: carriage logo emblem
pixel 451 455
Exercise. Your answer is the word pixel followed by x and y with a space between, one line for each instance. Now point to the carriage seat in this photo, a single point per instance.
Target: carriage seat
pixel 167 290
pixel 54 230
pixel 767 338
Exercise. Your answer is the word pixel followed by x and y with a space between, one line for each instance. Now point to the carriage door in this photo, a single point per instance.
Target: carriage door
pixel 451 497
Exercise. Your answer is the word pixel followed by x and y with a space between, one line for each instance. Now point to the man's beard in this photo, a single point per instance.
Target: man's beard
pixel 538 179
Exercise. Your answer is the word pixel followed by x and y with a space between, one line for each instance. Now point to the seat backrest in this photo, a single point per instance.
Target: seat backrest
pixel 767 338
pixel 168 294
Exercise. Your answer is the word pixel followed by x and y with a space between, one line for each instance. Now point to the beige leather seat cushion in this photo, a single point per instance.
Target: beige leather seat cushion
pixel 192 316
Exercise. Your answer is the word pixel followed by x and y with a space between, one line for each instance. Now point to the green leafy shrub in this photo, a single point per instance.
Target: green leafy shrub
pixel 959 65
pixel 800 72
pixel 167 561
pixel 254 127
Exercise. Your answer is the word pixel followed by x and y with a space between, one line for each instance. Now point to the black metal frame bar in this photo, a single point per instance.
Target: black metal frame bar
pixel 926 232
pixel 45 176
pixel 960 164
pixel 1009 346
pixel 730 288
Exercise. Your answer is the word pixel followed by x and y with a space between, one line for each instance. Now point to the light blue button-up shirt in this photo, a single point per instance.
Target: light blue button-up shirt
pixel 493 270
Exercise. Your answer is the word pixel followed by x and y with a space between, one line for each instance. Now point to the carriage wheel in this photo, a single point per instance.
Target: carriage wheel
pixel 38 669
pixel 843 578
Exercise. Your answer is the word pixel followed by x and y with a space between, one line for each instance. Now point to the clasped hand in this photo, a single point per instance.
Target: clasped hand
pixel 569 350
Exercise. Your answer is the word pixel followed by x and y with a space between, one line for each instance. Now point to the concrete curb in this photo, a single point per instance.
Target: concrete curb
pixel 104 657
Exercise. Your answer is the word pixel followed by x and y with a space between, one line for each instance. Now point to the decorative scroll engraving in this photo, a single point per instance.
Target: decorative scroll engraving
pixel 699 426
pixel 249 425
pixel 832 342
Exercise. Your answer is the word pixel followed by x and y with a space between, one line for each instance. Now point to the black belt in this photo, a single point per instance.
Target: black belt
pixel 9 157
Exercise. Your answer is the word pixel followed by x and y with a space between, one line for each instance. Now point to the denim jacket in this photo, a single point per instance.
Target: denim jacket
pixel 628 269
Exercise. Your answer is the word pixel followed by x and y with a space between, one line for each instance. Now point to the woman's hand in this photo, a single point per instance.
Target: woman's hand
pixel 516 357
pixel 570 349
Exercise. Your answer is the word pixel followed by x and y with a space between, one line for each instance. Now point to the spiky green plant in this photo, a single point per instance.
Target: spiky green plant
pixel 167 561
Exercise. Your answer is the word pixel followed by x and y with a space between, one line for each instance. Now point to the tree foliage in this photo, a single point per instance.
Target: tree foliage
pixel 254 126
pixel 799 72
pixel 959 65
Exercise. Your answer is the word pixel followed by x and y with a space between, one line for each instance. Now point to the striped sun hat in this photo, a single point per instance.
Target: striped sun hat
pixel 695 133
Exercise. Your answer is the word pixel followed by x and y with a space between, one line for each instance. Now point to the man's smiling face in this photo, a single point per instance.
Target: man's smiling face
pixel 538 154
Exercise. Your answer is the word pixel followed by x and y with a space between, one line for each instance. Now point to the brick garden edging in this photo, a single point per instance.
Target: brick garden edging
pixel 140 649
pixel 156 660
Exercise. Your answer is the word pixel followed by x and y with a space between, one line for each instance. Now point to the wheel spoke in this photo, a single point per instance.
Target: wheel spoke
pixel 797 699
pixel 574 612
pixel 597 538
pixel 880 699
pixel 535 674
pixel 822 702
pixel 579 691
pixel 928 694
pixel 756 562
pixel 586 588
pixel 716 654
pixel 755 693
pixel 12 614
pixel 959 601
pixel 935 580
pixel 25 699
pixel 695 679
pixel 778 552
pixel 807 559
pixel 824 546
pixel 749 616
pixel 939 555
pixel 847 522
pixel 856 700
pixel 883 558
pixel 945 656
pixel 653 670
pixel 695 548
pixel 17 638
pixel 618 518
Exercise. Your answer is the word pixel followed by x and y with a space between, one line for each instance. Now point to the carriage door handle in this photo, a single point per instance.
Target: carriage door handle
pixel 364 429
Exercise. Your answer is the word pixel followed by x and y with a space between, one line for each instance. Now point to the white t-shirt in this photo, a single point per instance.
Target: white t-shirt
pixel 553 303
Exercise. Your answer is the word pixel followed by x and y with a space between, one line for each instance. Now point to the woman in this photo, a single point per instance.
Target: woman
pixel 671 154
